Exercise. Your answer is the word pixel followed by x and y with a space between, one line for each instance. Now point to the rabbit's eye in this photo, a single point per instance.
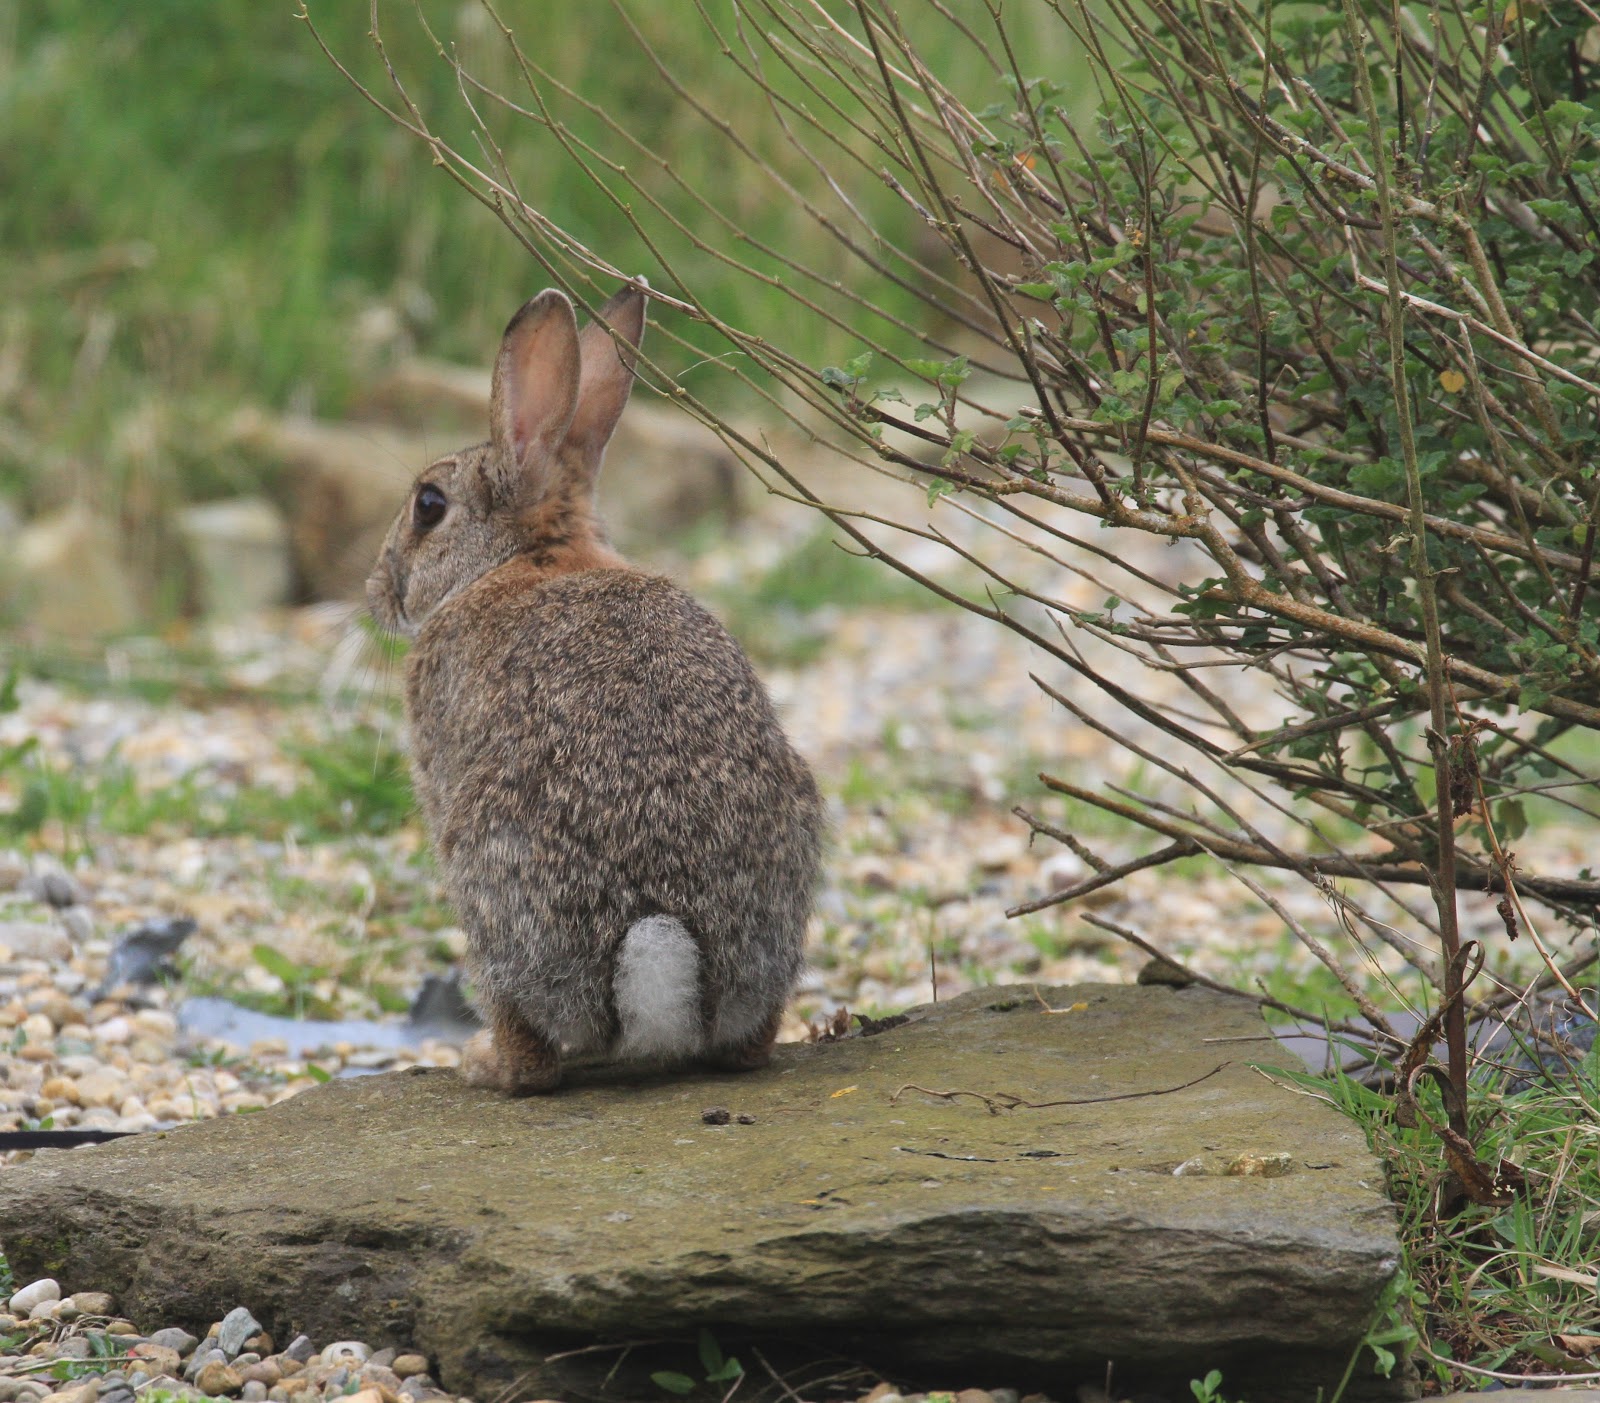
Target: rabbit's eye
pixel 428 509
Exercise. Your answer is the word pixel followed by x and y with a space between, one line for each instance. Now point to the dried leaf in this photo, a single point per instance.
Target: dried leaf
pixel 1452 382
pixel 1577 1278
pixel 1580 1345
pixel 842 1091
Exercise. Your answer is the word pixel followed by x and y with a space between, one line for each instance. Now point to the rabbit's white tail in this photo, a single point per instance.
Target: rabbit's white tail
pixel 657 987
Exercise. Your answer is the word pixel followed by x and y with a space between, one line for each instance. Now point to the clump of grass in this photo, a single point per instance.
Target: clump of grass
pixel 354 782
pixel 1493 1292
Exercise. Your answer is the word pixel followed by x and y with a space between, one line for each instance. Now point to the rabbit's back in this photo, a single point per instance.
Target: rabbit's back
pixel 593 750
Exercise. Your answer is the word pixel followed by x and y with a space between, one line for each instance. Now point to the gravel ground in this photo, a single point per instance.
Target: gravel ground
pixel 923 727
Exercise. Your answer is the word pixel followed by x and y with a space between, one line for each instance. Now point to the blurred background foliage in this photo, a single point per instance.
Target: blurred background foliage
pixel 201 214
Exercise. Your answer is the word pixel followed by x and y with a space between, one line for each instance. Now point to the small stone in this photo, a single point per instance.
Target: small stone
pixel 216 1379
pixel 286 1365
pixel 417 1386
pixel 67 1311
pixel 346 1352
pixel 123 1327
pixel 300 1349
pixel 1005 1395
pixel 265 1372
pixel 384 1358
pixel 254 1391
pixel 174 1338
pixel 237 1327
pixel 260 1344
pixel 54 888
pixel 405 1365
pixel 366 1395
pixel 102 1087
pixel 716 1115
pixel 28 940
pixel 120 1394
pixel 73 1347
pixel 386 1381
pixel 79 921
pixel 112 1380
pixel 94 1302
pixel 202 1357
pixel 159 1357
pixel 114 1031
pixel 974 1395
pixel 745 1118
pixel 243 1361
pixel 882 1393
pixel 45 1310
pixel 45 1289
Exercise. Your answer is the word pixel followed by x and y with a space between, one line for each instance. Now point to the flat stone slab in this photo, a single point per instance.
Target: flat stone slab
pixel 857 1213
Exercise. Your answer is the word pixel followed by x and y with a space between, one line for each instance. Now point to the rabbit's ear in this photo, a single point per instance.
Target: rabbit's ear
pixel 536 379
pixel 608 363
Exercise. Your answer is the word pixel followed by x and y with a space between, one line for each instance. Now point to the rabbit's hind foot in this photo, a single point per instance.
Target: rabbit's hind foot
pixel 510 1056
pixel 753 1051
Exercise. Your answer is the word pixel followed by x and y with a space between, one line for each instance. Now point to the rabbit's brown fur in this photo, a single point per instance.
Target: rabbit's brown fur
pixel 628 838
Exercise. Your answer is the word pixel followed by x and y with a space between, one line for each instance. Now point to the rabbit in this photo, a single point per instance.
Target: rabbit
pixel 627 836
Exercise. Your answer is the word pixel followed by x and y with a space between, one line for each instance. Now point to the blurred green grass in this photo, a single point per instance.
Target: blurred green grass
pixel 201 213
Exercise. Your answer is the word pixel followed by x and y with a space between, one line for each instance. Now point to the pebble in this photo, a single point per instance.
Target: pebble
pixel 201 1358
pixel 217 1378
pixel 300 1349
pixel 174 1338
pixel 405 1365
pixel 237 1327
pixel 161 1359
pixel 346 1351
pixel 45 1289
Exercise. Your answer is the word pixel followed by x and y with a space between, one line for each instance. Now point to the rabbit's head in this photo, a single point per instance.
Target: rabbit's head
pixel 557 396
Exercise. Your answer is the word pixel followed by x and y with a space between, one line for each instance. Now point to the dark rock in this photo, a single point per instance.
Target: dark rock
pixel 441 1008
pixel 56 889
pixel 144 954
pixel 1024 1246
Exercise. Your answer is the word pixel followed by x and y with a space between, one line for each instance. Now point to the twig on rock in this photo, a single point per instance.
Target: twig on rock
pixel 1007 1101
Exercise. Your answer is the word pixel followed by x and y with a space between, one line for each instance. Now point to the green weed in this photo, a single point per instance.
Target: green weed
pixel 353 782
pixel 1480 1286
pixel 717 1369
